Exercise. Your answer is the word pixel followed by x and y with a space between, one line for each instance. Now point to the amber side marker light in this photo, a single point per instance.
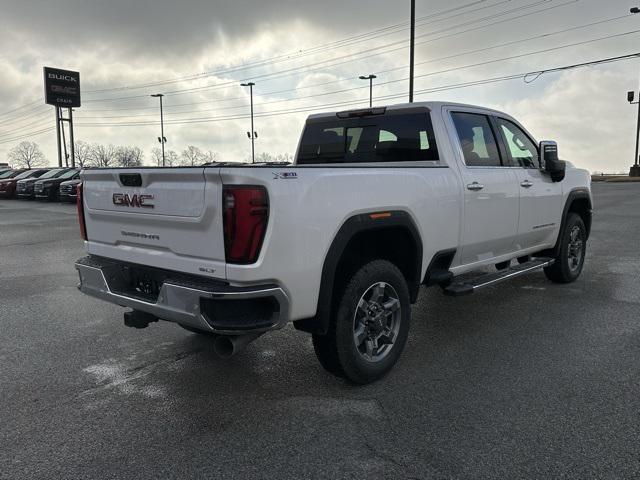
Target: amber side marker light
pixel 376 216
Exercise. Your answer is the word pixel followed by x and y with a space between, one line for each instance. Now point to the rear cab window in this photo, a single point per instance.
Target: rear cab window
pixel 396 136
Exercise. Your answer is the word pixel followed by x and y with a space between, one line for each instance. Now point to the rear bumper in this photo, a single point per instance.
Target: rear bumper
pixel 190 300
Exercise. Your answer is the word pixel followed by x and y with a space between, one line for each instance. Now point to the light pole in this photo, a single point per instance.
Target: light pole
pixel 370 78
pixel 252 134
pixel 412 49
pixel 162 139
pixel 635 169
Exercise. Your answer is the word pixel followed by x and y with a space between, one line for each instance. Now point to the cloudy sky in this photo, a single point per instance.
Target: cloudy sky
pixel 306 57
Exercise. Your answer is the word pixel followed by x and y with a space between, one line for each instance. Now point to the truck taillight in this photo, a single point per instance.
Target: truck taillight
pixel 80 206
pixel 245 216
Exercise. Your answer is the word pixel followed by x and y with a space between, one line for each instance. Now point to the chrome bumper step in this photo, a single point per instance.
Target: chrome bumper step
pixel 468 286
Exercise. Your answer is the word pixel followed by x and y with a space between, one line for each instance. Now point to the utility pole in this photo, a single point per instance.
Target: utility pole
pixel 252 134
pixel 412 49
pixel 635 169
pixel 370 78
pixel 162 139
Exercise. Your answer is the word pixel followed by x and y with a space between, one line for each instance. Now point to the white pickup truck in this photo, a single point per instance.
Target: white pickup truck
pixel 377 203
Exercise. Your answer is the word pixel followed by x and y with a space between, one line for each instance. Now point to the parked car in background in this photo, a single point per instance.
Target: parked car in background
pixel 11 173
pixel 8 185
pixel 25 188
pixel 47 188
pixel 68 190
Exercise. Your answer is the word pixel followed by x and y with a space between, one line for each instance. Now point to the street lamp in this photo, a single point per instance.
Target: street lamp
pixel 252 134
pixel 162 139
pixel 370 78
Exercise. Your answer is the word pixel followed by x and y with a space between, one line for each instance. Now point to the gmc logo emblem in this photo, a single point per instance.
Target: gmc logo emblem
pixel 139 201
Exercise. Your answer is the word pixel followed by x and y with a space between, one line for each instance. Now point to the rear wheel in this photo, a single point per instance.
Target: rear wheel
pixel 368 333
pixel 568 264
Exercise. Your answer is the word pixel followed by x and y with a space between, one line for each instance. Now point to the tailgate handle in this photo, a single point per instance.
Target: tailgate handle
pixel 131 179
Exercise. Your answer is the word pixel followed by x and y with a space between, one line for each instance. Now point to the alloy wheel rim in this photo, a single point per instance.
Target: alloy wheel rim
pixel 376 322
pixel 575 249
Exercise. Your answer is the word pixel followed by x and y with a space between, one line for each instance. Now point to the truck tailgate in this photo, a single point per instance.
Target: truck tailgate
pixel 167 218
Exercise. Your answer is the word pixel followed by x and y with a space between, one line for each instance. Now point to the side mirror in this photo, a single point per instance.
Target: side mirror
pixel 549 161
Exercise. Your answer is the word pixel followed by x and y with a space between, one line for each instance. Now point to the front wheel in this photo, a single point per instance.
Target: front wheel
pixel 368 333
pixel 573 242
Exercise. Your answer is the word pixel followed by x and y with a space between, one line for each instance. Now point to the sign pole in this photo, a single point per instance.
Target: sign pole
pixel 73 146
pixel 58 134
pixel 64 139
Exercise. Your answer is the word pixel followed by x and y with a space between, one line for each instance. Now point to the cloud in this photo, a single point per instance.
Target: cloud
pixel 122 44
pixel 587 113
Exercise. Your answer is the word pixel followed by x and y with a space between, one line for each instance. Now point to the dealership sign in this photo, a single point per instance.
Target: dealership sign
pixel 61 87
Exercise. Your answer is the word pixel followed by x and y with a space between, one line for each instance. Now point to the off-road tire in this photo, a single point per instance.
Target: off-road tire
pixel 565 269
pixel 337 350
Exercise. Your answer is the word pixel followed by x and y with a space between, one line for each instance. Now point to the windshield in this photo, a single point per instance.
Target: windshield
pixel 68 174
pixel 7 174
pixel 52 174
pixel 26 174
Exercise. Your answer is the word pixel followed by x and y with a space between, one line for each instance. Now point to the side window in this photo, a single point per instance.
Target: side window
pixel 476 139
pixel 523 151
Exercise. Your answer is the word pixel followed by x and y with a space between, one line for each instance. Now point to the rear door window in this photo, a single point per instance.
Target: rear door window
pixel 392 137
pixel 477 140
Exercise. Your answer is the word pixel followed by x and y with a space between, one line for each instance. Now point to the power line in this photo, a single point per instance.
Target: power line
pixel 513 42
pixel 347 89
pixel 477 64
pixel 391 96
pixel 288 56
pixel 331 62
pixel 348 58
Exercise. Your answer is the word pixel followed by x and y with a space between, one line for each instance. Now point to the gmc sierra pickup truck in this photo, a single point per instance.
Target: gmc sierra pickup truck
pixel 377 203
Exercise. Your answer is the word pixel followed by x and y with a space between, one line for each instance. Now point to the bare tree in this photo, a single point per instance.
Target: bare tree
pixel 211 157
pixel 171 158
pixel 192 156
pixel 129 156
pixel 284 157
pixel 27 154
pixel 82 153
pixel 156 155
pixel 266 157
pixel 103 155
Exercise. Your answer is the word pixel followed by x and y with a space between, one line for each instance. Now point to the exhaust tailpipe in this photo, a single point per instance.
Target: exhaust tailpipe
pixel 226 346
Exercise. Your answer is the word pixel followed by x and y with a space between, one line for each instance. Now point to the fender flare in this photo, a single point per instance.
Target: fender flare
pixel 365 222
pixel 575 194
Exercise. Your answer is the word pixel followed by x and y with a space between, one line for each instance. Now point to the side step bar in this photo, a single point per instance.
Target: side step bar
pixel 470 285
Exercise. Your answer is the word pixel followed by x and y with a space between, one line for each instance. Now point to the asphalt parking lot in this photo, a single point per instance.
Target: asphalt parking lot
pixel 524 380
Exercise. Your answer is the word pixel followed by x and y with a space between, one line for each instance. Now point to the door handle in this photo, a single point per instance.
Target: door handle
pixel 526 184
pixel 475 186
